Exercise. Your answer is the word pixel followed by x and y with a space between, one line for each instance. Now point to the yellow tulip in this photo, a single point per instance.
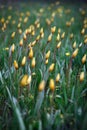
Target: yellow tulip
pixel 52 85
pixel 83 31
pixel 58 37
pixel 49 38
pixel 47 55
pixel 26 80
pixel 58 77
pixel 21 42
pixel 13 35
pixel 15 64
pixel 63 35
pixel 31 53
pixel 84 59
pixel 33 63
pixel 46 62
pixel 82 75
pixel 51 68
pixel 53 29
pixel 85 41
pixel 41 86
pixel 58 45
pixel 12 48
pixel 23 61
pixel 74 45
pixel 74 54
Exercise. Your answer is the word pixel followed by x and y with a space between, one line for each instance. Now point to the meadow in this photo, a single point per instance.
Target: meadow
pixel 43 66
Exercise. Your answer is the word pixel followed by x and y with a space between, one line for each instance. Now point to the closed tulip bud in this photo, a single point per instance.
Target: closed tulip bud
pixel 46 62
pixel 33 43
pixel 12 48
pixel 74 45
pixel 42 35
pixel 52 85
pixel 31 53
pixel 72 19
pixel 33 63
pixel 59 30
pixel 68 24
pixel 48 21
pixel 53 29
pixel 33 33
pixel 41 31
pixel 63 35
pixel 47 55
pixel 84 59
pixel 24 37
pixel 29 30
pixel 15 64
pixel 74 54
pixel 58 37
pixel 38 38
pixel 25 80
pixel 83 31
pixel 49 38
pixel 58 77
pixel 51 68
pixel 85 41
pixel 71 36
pixel 20 31
pixel 13 35
pixel 25 19
pixel 2 20
pixel 23 61
pixel 38 25
pixel 41 86
pixel 82 76
pixel 58 45
pixel 21 42
pixel 19 25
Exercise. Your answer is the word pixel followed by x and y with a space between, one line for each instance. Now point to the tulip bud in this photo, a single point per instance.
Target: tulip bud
pixel 63 35
pixel 74 45
pixel 47 55
pixel 58 37
pixel 52 85
pixel 58 45
pixel 59 30
pixel 31 53
pixel 12 48
pixel 49 38
pixel 33 63
pixel 51 68
pixel 83 31
pixel 23 61
pixel 46 62
pixel 84 59
pixel 53 29
pixel 15 64
pixel 24 37
pixel 58 77
pixel 74 54
pixel 85 41
pixel 41 86
pixel 21 42
pixel 71 36
pixel 25 80
pixel 41 31
pixel 81 76
pixel 13 35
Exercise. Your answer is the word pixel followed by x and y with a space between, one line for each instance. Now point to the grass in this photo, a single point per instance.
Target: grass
pixel 43 66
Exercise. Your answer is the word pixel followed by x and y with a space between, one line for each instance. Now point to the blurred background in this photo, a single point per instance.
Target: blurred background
pixel 10 1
